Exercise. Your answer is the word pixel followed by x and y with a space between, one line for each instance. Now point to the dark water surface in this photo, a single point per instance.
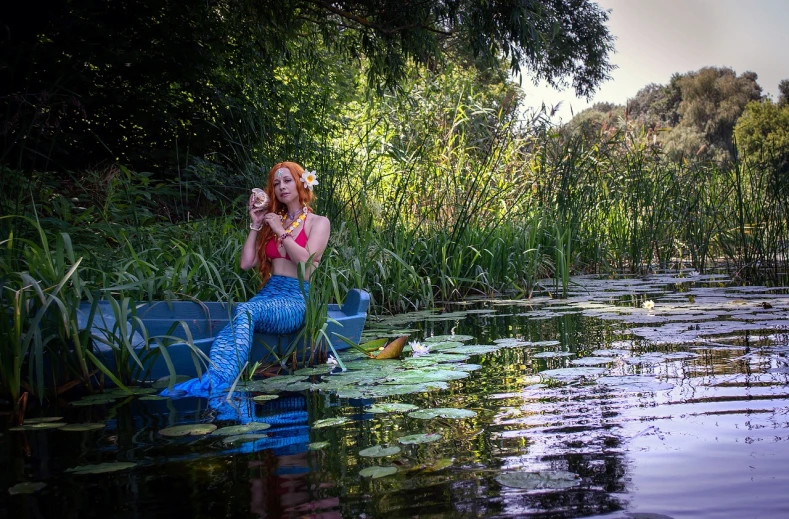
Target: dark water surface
pixel 689 420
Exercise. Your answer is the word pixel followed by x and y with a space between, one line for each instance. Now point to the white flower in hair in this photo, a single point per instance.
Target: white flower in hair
pixel 309 179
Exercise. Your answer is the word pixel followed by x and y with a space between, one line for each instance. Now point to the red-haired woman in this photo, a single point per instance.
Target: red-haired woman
pixel 282 234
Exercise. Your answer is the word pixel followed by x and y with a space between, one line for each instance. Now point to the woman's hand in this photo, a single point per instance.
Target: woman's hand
pixel 274 221
pixel 256 214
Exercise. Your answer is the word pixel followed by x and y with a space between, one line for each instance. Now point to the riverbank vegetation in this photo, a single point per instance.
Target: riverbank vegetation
pixel 439 181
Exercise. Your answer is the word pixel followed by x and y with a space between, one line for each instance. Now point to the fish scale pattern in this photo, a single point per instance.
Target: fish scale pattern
pixel 279 308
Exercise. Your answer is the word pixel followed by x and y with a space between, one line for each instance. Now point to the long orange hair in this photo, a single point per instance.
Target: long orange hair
pixel 305 199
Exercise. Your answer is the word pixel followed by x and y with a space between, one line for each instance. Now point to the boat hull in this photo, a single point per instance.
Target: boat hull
pixel 187 330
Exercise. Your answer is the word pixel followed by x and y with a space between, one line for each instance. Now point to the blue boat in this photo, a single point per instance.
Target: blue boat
pixel 196 325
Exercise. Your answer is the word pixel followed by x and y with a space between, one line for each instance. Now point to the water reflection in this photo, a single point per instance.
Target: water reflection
pixel 691 426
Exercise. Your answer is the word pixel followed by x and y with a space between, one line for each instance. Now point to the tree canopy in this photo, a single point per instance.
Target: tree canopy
pixel 143 80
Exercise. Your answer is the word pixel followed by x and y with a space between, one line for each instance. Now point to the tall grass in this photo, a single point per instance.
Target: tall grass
pixel 429 205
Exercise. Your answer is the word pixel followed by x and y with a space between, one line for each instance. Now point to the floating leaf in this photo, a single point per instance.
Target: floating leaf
pixel 38 426
pixel 330 422
pixel 153 398
pixel 476 349
pixel 28 487
pixel 44 419
pixel 541 480
pixel 83 427
pixel 393 407
pixel 321 369
pixel 552 354
pixel 419 362
pixel 591 361
pixel 241 429
pixel 393 350
pixel 377 472
pixel 95 400
pixel 264 398
pixel 379 451
pixel 424 376
pixel 467 367
pixel 571 373
pixel 442 412
pixel 243 438
pixel 316 446
pixel 197 429
pixel 635 383
pixel 414 439
pixel 442 338
pixel 101 468
pixel 449 357
pixel 438 465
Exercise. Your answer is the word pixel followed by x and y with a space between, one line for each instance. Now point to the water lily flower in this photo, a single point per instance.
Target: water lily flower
pixel 648 304
pixel 331 361
pixel 417 348
pixel 309 179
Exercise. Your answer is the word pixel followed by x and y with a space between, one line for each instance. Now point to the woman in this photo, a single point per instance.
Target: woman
pixel 281 236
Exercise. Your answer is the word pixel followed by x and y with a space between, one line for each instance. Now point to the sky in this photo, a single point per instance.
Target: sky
pixel 657 38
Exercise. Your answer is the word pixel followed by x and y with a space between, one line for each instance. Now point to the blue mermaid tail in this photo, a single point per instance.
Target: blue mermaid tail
pixel 279 308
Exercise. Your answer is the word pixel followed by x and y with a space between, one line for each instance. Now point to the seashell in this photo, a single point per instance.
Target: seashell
pixel 261 198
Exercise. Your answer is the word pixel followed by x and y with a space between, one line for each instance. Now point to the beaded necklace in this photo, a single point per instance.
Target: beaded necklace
pixel 292 227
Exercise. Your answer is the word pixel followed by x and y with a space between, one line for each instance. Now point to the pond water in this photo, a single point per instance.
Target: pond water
pixel 599 405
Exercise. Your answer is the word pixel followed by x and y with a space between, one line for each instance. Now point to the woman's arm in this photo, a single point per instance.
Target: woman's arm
pixel 249 257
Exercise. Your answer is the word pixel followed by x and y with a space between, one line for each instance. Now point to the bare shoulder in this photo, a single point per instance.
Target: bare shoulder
pixel 319 222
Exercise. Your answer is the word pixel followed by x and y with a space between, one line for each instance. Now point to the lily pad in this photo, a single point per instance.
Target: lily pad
pixel 95 400
pixel 83 427
pixel 43 419
pixel 442 412
pixel 552 354
pixel 316 446
pixel 28 487
pixel 449 357
pixel 541 480
pixel 635 383
pixel 393 407
pixel 467 367
pixel 378 472
pixel 591 361
pixel 321 369
pixel 476 349
pixel 241 429
pixel 415 439
pixel 572 373
pixel 379 451
pixel 38 426
pixel 196 429
pixel 264 398
pixel 243 438
pixel 442 338
pixel 424 376
pixel 154 398
pixel 330 422
pixel 102 468
pixel 133 390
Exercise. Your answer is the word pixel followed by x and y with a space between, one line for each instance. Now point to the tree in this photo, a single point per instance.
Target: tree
pixel 712 100
pixel 783 90
pixel 140 80
pixel 762 133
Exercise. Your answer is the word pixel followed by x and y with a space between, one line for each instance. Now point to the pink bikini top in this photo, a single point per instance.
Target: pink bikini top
pixel 273 252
